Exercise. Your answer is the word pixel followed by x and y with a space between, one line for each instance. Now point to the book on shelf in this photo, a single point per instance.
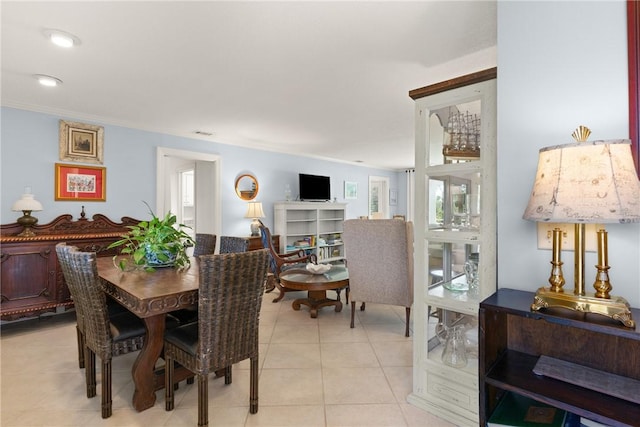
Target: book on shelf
pixel 515 410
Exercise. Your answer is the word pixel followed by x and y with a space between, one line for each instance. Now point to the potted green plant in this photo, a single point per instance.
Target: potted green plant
pixel 159 242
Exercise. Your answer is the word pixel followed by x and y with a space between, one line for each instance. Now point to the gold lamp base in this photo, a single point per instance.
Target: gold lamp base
pixel 614 307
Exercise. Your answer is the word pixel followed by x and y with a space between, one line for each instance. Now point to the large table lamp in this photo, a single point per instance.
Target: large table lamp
pixel 254 211
pixel 585 182
pixel 27 204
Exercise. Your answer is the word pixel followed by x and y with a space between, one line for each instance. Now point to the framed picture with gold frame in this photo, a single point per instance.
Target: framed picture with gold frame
pixel 79 142
pixel 80 183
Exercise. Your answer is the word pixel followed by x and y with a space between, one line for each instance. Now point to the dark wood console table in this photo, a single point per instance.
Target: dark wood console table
pixel 255 242
pixel 512 338
pixel 32 281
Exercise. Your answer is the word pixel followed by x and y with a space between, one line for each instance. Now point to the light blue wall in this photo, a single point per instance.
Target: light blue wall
pixel 29 150
pixel 560 65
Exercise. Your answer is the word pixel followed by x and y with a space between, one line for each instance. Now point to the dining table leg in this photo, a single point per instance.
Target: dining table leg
pixel 143 371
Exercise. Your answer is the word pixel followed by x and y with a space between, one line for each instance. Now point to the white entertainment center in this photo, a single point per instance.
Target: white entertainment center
pixel 315 227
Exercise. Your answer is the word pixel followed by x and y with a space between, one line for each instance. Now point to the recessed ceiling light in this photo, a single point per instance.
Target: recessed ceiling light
pixel 62 38
pixel 48 81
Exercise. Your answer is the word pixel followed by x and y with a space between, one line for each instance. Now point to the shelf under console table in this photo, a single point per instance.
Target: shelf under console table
pixel 513 338
pixel 32 281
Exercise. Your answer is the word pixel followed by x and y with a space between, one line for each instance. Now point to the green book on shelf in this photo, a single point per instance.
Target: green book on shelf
pixel 515 410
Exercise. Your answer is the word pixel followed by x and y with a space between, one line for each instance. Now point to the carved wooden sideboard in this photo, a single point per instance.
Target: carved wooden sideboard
pixel 32 281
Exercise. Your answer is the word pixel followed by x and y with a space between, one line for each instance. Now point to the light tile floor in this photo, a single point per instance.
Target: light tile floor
pixel 313 372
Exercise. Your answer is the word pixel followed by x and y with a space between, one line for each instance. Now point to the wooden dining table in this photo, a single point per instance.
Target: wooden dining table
pixel 150 296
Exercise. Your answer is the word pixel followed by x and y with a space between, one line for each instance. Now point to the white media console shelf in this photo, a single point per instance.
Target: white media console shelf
pixel 315 227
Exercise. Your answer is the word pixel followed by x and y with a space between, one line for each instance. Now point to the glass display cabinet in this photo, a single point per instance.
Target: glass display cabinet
pixel 455 240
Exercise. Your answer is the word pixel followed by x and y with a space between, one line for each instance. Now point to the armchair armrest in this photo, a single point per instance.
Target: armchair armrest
pixel 299 253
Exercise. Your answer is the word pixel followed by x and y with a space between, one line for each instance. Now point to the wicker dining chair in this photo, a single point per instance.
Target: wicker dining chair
pixel 232 244
pixel 113 309
pixel 104 336
pixel 205 244
pixel 229 300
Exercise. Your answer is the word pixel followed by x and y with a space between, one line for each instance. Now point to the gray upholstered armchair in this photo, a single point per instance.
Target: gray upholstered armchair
pixel 380 261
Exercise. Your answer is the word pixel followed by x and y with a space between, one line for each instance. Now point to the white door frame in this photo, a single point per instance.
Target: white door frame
pixel 209 197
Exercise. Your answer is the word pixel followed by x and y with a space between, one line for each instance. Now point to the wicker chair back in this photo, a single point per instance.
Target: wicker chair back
pixel 229 302
pixel 97 327
pixel 232 244
pixel 205 244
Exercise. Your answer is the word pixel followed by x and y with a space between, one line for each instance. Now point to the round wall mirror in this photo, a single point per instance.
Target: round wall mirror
pixel 246 187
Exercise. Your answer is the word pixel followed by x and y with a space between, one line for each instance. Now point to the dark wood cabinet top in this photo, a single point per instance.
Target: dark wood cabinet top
pixel 64 227
pixel 519 302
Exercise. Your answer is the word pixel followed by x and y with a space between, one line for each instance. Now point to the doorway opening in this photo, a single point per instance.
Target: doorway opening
pixel 188 185
pixel 378 197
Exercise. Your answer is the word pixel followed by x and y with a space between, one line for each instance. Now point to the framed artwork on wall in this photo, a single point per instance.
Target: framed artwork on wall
pixel 350 190
pixel 79 142
pixel 76 183
pixel 633 32
pixel 393 197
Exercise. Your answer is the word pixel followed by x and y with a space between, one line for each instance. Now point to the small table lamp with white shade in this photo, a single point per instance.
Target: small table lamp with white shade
pixel 585 182
pixel 254 210
pixel 27 204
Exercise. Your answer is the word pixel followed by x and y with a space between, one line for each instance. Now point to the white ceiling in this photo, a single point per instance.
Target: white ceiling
pixel 325 79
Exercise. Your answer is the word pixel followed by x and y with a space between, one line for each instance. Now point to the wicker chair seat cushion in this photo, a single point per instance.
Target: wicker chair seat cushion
pixel 124 326
pixel 115 308
pixel 186 315
pixel 184 337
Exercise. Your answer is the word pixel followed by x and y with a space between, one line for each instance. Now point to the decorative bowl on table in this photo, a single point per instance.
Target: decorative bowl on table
pixel 318 268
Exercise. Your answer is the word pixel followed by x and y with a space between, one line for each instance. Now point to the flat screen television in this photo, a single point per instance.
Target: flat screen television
pixel 315 188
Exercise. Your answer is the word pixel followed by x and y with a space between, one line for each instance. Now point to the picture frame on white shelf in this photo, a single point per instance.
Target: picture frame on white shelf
pixel 350 190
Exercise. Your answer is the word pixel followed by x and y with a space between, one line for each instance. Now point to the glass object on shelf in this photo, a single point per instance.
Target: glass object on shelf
pixel 436 203
pixel 471 271
pixel 460 208
pixel 454 352
pixel 452 337
pixel 449 263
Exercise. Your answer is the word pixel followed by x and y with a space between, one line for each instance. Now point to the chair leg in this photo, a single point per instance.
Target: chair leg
pixel 227 375
pixel 353 313
pixel 107 403
pixel 168 381
pixel 203 400
pixel 346 292
pixel 80 336
pixel 253 388
pixel 281 289
pixel 90 371
pixel 362 307
pixel 408 316
pixel 269 286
